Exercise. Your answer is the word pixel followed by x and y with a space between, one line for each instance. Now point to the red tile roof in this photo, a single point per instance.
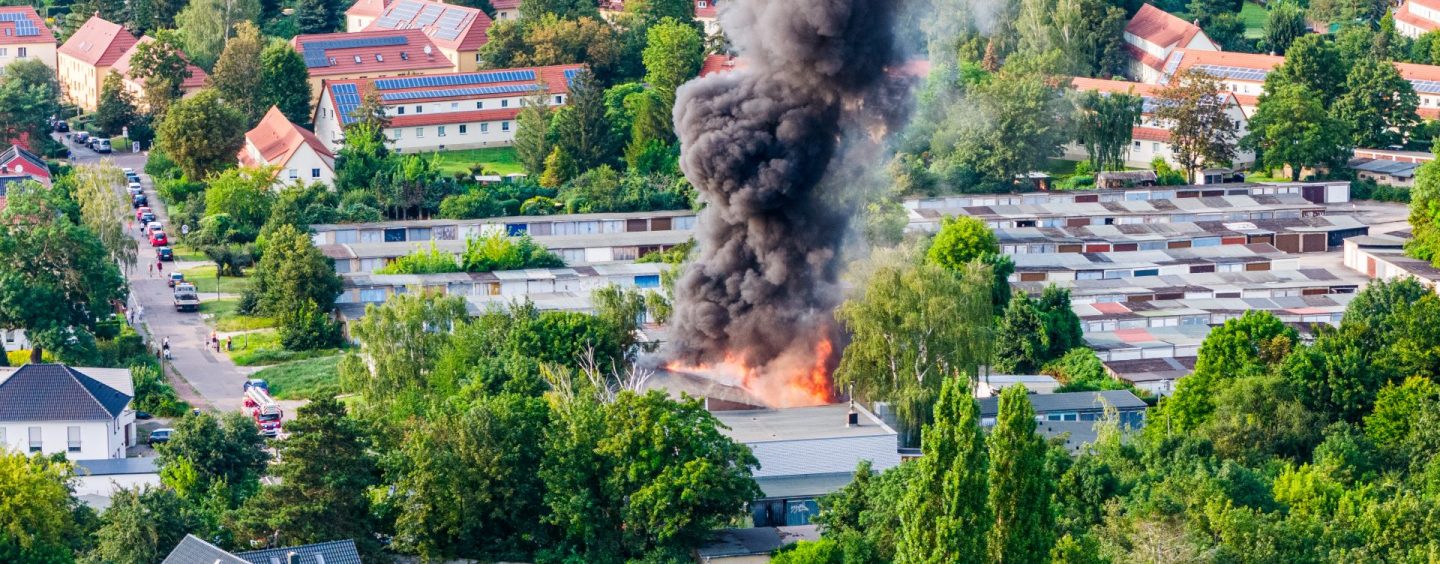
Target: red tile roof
pixel 1120 86
pixel 1191 58
pixel 707 9
pixel 1403 14
pixel 8 35
pixel 1418 72
pixel 1432 4
pixel 1161 28
pixel 1150 134
pixel 1145 58
pixel 445 118
pixel 370 8
pixel 197 75
pixel 18 160
pixel 98 43
pixel 505 4
pixel 449 26
pixel 277 139
pixel 389 61
pixel 719 63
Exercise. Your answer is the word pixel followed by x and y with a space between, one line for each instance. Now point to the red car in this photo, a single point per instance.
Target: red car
pixel 158 239
pixel 142 210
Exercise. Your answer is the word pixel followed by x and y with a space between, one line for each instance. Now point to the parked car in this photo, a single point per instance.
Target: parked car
pixel 158 239
pixel 81 137
pixel 142 210
pixel 100 145
pixel 128 171
pixel 147 217
pixel 175 278
pixel 139 200
pixel 143 415
pixel 164 254
pixel 135 188
pixel 62 126
pixel 161 435
pixel 153 226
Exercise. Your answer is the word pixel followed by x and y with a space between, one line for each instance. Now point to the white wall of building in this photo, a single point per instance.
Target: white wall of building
pixel 98 439
pixel 44 52
pixel 305 165
pixel 458 134
pixel 108 485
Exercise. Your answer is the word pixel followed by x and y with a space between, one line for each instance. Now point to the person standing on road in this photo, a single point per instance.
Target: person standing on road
pixel 160 267
pixel 152 271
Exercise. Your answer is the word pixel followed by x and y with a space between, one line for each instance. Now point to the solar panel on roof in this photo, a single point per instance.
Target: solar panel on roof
pixel 452 92
pixel 1426 86
pixel 448 34
pixel 456 79
pixel 427 16
pixel 315 56
pixel 347 98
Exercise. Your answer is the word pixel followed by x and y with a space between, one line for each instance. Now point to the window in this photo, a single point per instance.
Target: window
pixel 419 109
pixel 463 130
pixel 1137 144
pixel 23 53
pixel 1155 147
pixel 294 174
pixel 35 441
pixel 419 132
pixel 504 103
pixel 480 105
pixel 4 52
pixel 647 281
pixel 440 131
pixel 400 110
pixel 314 173
pixel 484 128
pixel 72 435
pixel 379 58
pixel 454 105
pixel 559 99
pixel 396 135
pixel 504 126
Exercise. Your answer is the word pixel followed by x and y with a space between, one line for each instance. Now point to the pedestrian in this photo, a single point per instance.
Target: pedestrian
pixel 166 342
pixel 229 343
pixel 160 267
pixel 152 270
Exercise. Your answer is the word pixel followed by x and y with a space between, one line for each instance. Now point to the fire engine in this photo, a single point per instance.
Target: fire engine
pixel 263 409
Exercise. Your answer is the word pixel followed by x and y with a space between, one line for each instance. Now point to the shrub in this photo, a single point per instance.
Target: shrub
pixel 422 261
pixel 1365 189
pixel 307 328
pixel 154 394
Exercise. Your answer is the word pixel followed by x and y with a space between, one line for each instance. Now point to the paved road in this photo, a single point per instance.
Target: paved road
pixel 214 381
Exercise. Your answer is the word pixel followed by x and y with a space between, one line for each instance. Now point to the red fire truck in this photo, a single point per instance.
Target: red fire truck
pixel 263 409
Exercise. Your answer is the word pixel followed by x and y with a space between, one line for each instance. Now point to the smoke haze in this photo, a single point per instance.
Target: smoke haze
pixel 774 150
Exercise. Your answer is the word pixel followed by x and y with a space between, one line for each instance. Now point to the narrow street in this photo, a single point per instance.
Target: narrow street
pixel 213 381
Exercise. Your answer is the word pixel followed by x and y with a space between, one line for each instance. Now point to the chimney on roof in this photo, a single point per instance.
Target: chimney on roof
pixel 428 51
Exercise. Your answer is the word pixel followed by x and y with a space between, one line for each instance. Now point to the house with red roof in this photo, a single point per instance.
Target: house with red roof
pixel 1153 34
pixel 458 31
pixel 87 57
pixel 1241 74
pixel 707 12
pixel 506 9
pixel 23 35
pixel 16 161
pixel 295 152
pixel 1151 138
pixel 1417 17
pixel 444 112
pixel 368 55
pixel 192 84
pixel 362 12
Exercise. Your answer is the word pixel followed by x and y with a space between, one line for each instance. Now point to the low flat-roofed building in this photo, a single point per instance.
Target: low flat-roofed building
pixel 1221 208
pixel 1249 284
pixel 1297 235
pixel 1138 264
pixel 377 288
pixel 1104 317
pixel 1075 407
pixel 1382 257
pixel 446 111
pixel 575 250
pixel 368 54
pixel 1318 192
pixel 1154 375
pixel 1387 172
pixel 752 546
pixel 806 453
pixel 97 480
pixel 992 384
pixel 1152 342
pixel 419 230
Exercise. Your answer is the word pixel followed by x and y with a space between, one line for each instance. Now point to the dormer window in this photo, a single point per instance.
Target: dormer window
pixel 379 58
pixel 404 56
pixel 357 59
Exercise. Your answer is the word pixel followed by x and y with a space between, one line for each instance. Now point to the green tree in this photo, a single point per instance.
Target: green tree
pixel 532 138
pixel 116 110
pixel 318 16
pixel 1393 421
pixel 1201 130
pixel 161 66
pixel 651 129
pixel 141 526
pixel 567 9
pixel 94 190
pixel 556 40
pixel 1087 34
pixel 239 74
pixel 581 129
pixel 1062 326
pixel 654 11
pixel 912 327
pixel 1313 62
pixel 1336 377
pixel 56 277
pixel 293 271
pixel 1104 124
pixel 1022 345
pixel 1425 214
pixel 325 470
pixel 201 134
pixel 945 516
pixel 961 241
pixel 1249 345
pixel 29 97
pixel 306 328
pixel 244 195
pixel 205 25
pixel 39 516
pixel 226 450
pixel 498 252
pixel 471 486
pixel 1285 24
pixel 1378 105
pixel 1011 125
pixel 673 53
pixel 392 367
pixel 284 82
pixel 1292 128
pixel 1020 485
pixel 361 157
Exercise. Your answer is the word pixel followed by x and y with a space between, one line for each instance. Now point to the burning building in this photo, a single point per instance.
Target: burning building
pixel 772 149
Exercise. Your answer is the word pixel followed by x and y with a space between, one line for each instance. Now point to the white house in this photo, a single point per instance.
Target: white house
pixel 1151 138
pixel 23 35
pixel 451 111
pixel 53 408
pixel 295 152
pixel 1417 17
pixel 506 9
pixel 1153 34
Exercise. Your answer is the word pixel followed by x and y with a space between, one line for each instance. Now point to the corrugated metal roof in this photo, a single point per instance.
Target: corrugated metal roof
pixel 1070 401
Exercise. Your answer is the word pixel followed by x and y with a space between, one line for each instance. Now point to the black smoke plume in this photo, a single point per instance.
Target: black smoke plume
pixel 774 149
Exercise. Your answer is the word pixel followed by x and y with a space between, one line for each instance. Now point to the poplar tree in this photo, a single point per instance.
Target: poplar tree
pixel 1020 488
pixel 943 516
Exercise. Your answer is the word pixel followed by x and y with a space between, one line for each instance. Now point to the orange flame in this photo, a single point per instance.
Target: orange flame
pixel 794 380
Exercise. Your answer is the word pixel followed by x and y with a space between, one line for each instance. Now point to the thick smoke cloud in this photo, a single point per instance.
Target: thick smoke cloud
pixel 773 149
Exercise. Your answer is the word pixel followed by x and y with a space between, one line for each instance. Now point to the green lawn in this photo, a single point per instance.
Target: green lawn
pixel 262 348
pixel 187 254
pixel 499 159
pixel 304 379
pixel 227 320
pixel 1254 16
pixel 203 277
